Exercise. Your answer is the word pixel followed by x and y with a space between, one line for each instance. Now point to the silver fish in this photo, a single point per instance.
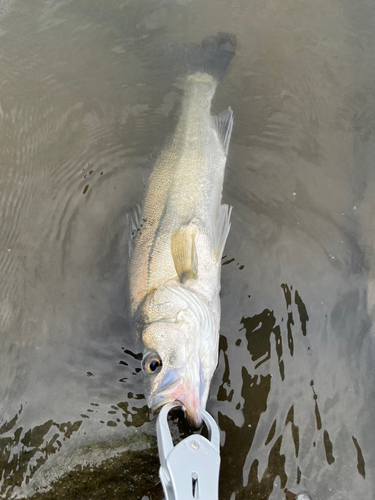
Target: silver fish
pixel 176 262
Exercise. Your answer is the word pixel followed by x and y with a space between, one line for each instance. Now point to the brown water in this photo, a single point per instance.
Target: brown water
pixel 85 106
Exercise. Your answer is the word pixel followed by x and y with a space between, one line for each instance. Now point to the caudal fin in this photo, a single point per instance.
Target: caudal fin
pixel 212 56
pixel 179 60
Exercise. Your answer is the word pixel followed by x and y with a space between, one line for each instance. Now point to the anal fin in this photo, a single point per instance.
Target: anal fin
pixel 184 254
pixel 222 230
pixel 224 124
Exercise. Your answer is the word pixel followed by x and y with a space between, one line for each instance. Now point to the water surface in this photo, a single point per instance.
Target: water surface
pixel 87 101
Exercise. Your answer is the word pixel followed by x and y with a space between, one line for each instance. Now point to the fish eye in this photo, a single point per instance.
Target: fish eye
pixel 151 363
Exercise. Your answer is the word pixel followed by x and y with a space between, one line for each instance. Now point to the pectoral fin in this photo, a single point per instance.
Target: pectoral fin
pixel 222 230
pixel 184 254
pixel 134 219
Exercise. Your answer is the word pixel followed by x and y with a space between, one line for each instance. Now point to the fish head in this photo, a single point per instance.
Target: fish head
pixel 176 366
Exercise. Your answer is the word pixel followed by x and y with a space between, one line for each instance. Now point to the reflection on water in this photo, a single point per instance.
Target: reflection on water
pixel 87 101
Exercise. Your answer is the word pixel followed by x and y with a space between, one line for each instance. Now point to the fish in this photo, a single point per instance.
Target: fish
pixel 175 266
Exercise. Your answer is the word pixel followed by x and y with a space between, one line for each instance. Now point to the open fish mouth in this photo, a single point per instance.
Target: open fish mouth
pixel 164 401
pixel 184 393
pixel 166 395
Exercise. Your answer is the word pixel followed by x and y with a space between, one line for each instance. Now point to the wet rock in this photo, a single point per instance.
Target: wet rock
pixel 130 474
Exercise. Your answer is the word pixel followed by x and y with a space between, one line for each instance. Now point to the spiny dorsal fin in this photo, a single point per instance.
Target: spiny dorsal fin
pixel 184 254
pixel 222 230
pixel 224 124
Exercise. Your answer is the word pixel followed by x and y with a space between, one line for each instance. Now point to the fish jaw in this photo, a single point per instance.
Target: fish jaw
pixel 187 387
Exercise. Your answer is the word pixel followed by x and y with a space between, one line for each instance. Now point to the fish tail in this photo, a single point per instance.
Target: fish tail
pixel 181 61
pixel 206 63
pixel 212 57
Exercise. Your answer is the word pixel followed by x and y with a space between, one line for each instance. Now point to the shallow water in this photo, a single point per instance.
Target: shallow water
pixel 87 101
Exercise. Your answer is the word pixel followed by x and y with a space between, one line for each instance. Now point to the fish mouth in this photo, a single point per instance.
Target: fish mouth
pixel 157 406
pixel 161 397
pixel 181 392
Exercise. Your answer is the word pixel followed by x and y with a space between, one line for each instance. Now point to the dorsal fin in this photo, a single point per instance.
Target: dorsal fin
pixel 224 124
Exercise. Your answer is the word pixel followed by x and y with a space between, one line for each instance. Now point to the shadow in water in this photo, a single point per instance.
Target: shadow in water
pixel 24 452
pixel 282 431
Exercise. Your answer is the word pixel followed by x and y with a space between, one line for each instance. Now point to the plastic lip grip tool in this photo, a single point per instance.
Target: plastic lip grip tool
pixel 189 470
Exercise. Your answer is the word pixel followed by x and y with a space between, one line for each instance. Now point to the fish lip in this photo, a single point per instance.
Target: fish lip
pixel 165 401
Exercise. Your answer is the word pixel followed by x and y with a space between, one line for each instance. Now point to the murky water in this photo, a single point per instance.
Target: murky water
pixel 87 101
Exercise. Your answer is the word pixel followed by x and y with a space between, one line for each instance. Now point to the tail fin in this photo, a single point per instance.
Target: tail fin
pixel 213 56
pixel 179 60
